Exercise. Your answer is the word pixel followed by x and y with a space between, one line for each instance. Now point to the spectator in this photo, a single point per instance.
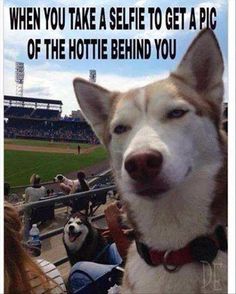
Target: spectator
pixel 83 203
pixel 57 130
pixel 50 193
pixel 35 192
pixel 13 197
pixel 21 273
pixel 82 180
pixel 6 191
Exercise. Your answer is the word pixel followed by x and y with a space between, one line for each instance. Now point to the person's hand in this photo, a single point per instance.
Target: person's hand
pixel 113 217
pixel 113 213
pixel 129 233
pixel 106 234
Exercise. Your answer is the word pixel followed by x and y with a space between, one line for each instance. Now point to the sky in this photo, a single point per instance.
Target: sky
pixel 52 79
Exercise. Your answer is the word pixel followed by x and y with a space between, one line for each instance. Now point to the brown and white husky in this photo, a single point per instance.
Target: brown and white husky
pixel 169 159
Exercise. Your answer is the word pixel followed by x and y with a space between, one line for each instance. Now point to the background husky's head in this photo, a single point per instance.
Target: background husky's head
pixel 166 133
pixel 75 232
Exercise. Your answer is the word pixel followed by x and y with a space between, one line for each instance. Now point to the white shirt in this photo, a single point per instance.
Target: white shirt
pixel 33 194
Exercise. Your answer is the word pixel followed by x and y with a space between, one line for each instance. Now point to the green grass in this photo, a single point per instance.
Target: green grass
pixel 41 143
pixel 20 165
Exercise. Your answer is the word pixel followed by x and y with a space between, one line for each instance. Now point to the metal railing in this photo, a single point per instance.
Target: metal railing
pixel 64 199
pixel 90 178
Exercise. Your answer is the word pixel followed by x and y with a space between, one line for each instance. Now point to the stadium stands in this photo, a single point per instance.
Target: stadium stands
pixel 25 100
pixel 45 113
pixel 31 107
pixel 13 111
pixel 41 119
pixel 51 130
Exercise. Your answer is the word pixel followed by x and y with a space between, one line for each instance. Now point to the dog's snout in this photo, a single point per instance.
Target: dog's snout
pixel 142 166
pixel 71 228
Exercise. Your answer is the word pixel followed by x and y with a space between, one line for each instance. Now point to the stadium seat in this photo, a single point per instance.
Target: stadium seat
pixel 42 214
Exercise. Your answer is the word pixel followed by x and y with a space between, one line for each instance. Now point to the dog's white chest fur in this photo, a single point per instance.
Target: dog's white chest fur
pixel 172 226
pixel 190 278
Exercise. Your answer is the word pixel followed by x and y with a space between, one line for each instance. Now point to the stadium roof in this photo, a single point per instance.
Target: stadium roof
pixel 34 100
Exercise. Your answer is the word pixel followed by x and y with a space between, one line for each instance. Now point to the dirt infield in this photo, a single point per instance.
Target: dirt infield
pixel 48 149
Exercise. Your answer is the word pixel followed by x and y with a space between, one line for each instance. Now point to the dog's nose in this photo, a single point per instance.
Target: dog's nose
pixel 145 165
pixel 71 228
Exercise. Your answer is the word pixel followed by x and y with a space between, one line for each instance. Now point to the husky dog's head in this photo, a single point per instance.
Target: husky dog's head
pixel 161 135
pixel 75 232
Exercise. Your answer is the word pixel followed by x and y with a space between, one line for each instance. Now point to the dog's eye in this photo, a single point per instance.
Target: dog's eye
pixel 120 129
pixel 176 113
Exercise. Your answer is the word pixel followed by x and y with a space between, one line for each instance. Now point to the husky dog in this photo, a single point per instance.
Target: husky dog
pixel 169 159
pixel 82 241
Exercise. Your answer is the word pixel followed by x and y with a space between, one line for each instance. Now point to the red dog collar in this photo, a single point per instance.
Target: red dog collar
pixel 201 249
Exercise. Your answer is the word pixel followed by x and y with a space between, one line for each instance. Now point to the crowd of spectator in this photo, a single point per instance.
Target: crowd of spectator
pixel 29 112
pixel 25 272
pixel 51 130
pixel 30 274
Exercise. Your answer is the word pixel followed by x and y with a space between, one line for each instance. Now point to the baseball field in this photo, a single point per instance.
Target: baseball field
pixel 22 158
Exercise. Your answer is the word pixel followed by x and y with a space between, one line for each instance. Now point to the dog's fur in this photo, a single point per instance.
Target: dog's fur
pixel 188 197
pixel 66 185
pixel 82 241
pixel 62 179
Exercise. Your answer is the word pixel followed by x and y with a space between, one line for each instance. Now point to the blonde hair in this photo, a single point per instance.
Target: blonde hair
pixel 19 268
pixel 34 179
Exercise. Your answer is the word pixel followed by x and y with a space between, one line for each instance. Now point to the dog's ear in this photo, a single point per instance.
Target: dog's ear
pixel 95 103
pixel 202 67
